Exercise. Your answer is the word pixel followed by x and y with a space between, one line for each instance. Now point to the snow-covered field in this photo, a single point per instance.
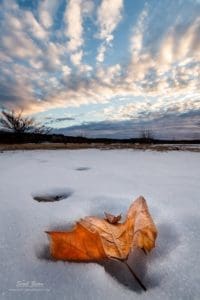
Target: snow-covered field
pixel 95 181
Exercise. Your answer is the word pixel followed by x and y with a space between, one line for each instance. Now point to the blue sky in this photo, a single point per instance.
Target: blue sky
pixel 103 67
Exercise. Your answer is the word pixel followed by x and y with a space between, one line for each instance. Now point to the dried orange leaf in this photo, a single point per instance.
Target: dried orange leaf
pixel 79 244
pixel 94 238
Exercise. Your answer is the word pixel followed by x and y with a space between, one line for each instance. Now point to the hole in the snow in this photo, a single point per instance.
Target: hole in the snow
pixel 82 169
pixel 52 196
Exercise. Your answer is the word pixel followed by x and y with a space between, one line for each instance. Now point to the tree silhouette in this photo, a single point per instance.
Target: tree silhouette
pixel 16 122
pixel 146 135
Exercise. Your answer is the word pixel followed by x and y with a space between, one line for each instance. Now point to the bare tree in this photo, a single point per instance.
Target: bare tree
pixel 146 134
pixel 18 123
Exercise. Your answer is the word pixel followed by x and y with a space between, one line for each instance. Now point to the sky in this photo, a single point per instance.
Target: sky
pixel 103 68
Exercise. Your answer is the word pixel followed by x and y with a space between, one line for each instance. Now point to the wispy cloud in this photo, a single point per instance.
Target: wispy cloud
pixel 136 41
pixel 74 26
pixel 52 120
pixel 74 16
pixel 145 110
pixel 109 15
pixel 47 11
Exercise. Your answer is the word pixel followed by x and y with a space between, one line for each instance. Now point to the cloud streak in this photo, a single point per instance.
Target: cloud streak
pixel 109 15
pixel 74 28
pixel 74 16
pixel 47 10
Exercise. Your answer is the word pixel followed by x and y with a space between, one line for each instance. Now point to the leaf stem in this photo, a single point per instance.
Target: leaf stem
pixel 135 276
pixel 132 272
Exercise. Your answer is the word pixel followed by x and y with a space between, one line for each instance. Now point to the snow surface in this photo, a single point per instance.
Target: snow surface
pixel 108 181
